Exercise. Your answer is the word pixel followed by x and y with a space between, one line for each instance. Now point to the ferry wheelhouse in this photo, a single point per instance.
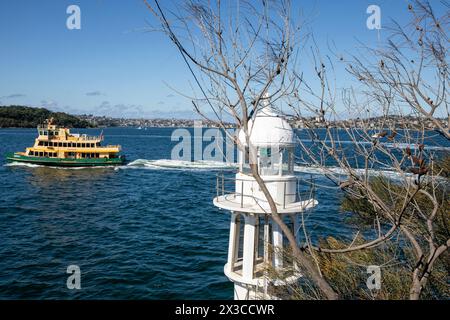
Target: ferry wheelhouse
pixel 56 146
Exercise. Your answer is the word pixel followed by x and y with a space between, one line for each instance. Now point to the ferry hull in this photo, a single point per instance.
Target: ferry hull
pixel 56 162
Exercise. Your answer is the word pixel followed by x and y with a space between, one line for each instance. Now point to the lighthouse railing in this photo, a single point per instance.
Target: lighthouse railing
pixel 226 186
pixel 305 189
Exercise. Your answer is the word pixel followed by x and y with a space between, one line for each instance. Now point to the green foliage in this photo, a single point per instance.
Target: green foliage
pixel 347 273
pixel 28 117
pixel 442 167
pixel 415 215
pixel 362 210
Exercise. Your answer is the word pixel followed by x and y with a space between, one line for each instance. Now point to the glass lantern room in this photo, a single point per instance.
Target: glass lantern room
pixel 272 160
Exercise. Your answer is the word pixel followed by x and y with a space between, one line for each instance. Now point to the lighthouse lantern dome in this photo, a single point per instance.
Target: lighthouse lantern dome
pixel 268 128
pixel 273 138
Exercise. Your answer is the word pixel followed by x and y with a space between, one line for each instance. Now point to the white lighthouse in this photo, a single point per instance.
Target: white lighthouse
pixel 256 242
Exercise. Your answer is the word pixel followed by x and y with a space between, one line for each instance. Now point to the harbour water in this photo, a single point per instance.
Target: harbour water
pixel 144 230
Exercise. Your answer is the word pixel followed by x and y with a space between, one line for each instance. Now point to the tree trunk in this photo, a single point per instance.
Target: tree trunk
pixel 304 261
pixel 416 287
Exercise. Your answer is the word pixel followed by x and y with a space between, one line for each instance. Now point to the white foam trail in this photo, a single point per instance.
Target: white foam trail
pixel 22 164
pixel 340 171
pixel 401 145
pixel 168 164
pixel 32 165
pixel 389 145
pixel 179 164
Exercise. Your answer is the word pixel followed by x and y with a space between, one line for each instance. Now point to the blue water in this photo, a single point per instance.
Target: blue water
pixel 146 230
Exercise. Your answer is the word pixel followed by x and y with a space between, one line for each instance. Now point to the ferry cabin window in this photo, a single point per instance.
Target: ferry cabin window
pixel 78 145
pixel 41 143
pixel 83 145
pixel 56 133
pixel 65 144
pixel 59 144
pixel 31 153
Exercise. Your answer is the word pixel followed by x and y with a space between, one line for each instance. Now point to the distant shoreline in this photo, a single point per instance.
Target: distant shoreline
pixel 30 117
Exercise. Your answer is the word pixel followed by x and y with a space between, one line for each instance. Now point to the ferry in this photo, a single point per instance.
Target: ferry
pixel 56 146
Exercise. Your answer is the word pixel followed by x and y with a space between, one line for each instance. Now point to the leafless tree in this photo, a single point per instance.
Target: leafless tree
pixel 408 76
pixel 237 54
pixel 239 51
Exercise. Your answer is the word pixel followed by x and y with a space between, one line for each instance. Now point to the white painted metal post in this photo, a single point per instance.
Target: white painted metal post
pixel 266 252
pixel 249 247
pixel 256 238
pixel 277 246
pixel 233 244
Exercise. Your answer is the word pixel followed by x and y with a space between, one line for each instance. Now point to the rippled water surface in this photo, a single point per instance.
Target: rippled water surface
pixel 145 230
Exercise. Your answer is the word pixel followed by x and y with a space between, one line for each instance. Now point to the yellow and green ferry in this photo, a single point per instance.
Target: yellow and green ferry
pixel 56 146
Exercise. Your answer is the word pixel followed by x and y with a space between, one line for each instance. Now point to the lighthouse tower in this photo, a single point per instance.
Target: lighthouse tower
pixel 256 242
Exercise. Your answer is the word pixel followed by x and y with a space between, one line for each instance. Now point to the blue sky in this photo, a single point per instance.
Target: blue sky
pixel 113 67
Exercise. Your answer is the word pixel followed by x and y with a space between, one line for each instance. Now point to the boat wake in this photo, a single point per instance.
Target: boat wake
pixel 32 165
pixel 340 171
pixel 22 164
pixel 168 164
pixel 388 145
pixel 206 165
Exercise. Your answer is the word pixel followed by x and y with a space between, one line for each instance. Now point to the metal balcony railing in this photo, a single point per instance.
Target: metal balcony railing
pixel 305 188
